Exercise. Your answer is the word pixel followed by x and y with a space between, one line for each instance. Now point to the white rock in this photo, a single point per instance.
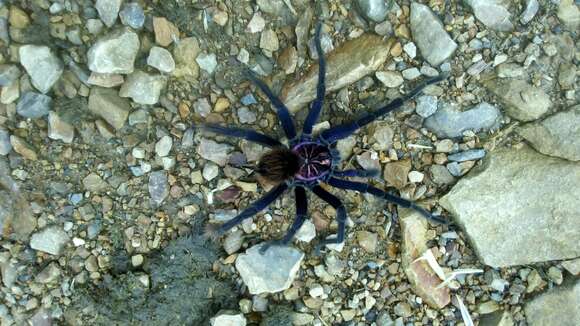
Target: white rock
pixel 59 129
pixel 143 88
pixel 307 232
pixel 210 171
pixel 228 319
pixel 50 240
pixel 108 10
pixel 43 66
pixel 163 146
pixel 161 59
pixel 114 53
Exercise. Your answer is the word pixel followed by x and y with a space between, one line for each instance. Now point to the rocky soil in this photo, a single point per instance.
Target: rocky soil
pixel 106 185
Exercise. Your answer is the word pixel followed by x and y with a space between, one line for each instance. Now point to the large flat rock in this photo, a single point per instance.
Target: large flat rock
pixel 519 207
pixel 559 306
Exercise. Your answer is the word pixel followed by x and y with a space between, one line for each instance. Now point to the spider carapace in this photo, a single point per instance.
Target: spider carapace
pixel 311 160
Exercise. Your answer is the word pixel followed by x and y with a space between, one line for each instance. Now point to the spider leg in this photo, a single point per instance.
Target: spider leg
pixel 253 209
pixel 356 173
pixel 301 213
pixel 246 134
pixel 342 131
pixel 340 215
pixel 281 109
pixel 316 105
pixel 366 188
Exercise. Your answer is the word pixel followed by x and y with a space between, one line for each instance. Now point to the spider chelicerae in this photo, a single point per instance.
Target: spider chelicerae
pixel 309 159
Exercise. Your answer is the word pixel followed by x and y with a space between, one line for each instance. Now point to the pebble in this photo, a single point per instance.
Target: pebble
pixel 233 241
pixel 248 99
pixel 532 7
pixel 543 185
pixel 105 80
pixel 202 107
pixel 228 319
pixel 158 186
pixel 51 240
pixel 269 40
pixel 49 274
pixel 307 232
pixel 367 240
pixel 207 62
pixel 557 306
pixel 163 146
pixel 165 32
pixel 210 171
pixel 382 136
pixel 390 79
pixel 132 15
pixel 108 10
pixel 270 272
pixel 185 54
pixel 403 309
pixel 94 183
pixel 411 73
pixel 8 74
pixel 569 14
pixel 246 115
pixel 410 49
pixel 256 24
pixel 440 175
pixel 449 122
pixel 94 26
pixel 59 129
pixel 33 105
pixel 375 10
pixel 21 147
pixel 426 105
pixel 429 33
pixel 415 176
pixel 221 104
pixel 114 53
pixel 143 88
pixel 42 65
pixel 521 100
pixel 470 155
pixel 493 14
pixel 5 146
pixel 107 104
pixel 161 59
pixel 396 173
pixel 213 151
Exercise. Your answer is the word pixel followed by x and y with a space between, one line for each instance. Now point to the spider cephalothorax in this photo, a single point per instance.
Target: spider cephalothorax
pixel 311 160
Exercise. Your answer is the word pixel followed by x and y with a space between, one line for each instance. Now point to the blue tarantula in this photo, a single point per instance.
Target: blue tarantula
pixel 310 160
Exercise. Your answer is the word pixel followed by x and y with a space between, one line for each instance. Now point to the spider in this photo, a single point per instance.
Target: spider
pixel 310 159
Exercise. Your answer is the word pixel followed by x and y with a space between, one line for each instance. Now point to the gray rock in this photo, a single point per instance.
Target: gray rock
pixel 43 66
pixel 50 240
pixel 132 15
pixel 558 306
pixel 143 88
pixel 426 105
pixel 158 186
pixel 557 135
pixel 108 10
pixel 213 151
pixel 49 274
pixel 59 129
pixel 307 232
pixel 375 10
pixel 382 136
pixel 269 41
pixel 114 53
pixel 163 146
pixel 569 14
pixel 510 184
pixel 270 272
pixel 107 104
pixel 430 35
pixel 492 13
pixel 567 75
pixel 411 73
pixel 33 105
pixel 4 35
pixel 246 115
pixel 390 78
pixel 5 146
pixel 448 122
pixel 94 183
pixel 532 7
pixel 161 59
pixel 8 74
pixel 470 155
pixel 522 101
pixel 94 26
pixel 207 62
pixel 440 175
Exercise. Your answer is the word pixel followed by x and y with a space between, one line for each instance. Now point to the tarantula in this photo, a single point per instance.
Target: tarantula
pixel 310 160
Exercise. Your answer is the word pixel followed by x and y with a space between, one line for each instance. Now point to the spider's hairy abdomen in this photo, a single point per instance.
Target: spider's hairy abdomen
pixel 278 165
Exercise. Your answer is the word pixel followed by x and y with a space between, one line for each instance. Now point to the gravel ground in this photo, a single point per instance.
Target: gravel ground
pixel 106 185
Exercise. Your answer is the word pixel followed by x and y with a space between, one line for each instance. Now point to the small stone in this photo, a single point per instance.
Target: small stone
pixel 382 136
pixel 143 88
pixel 23 148
pixel 411 73
pixel 105 80
pixel 429 33
pixel 5 146
pixel 163 146
pixel 228 319
pixel 390 79
pixel 107 104
pixel 137 260
pixel 43 66
pixel 410 49
pixel 132 15
pixel 220 17
pixel 94 183
pixel 449 122
pixel 8 74
pixel 396 173
pixel 94 26
pixel 493 14
pixel 269 40
pixel 375 10
pixel 165 31
pixel 161 59
pixel 210 171
pixel 532 7
pixel 416 177
pixel 59 129
pixel 213 151
pixel 50 240
pixel 569 14
pixel 202 107
pixel 207 62
pixel 367 240
pixel 288 60
pixel 555 274
pixel 440 175
pixel 572 266
pixel 18 18
pixel 158 186
pixel 522 101
pixel 307 232
pixel 10 93
pixel 403 309
pixel 558 306
pixel 470 155
pixel 221 104
pixel 33 105
pixel 185 54
pixel 49 274
pixel 487 307
pixel 233 241
pixel 256 24
pixel 426 105
pixel 114 53
pixel 567 75
pixel 108 10
pixel 270 272
pixel 246 115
